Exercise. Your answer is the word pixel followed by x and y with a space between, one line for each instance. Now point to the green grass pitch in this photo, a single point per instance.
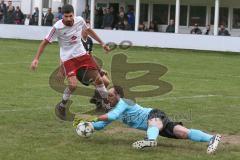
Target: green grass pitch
pixel 205 95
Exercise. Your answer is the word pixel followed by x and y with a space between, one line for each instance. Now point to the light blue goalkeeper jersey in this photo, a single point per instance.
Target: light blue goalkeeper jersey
pixel 127 112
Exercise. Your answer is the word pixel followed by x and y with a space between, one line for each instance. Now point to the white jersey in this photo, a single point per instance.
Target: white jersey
pixel 69 38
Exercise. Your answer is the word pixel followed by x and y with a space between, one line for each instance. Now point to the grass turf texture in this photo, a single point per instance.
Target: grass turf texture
pixel 206 95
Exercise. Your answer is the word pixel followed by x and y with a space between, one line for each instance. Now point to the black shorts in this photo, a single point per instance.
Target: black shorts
pixel 168 125
pixel 88 76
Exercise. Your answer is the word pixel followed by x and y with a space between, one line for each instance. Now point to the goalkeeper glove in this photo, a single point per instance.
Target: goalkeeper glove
pixel 78 119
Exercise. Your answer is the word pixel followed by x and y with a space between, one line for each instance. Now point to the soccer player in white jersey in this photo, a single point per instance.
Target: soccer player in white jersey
pixel 73 55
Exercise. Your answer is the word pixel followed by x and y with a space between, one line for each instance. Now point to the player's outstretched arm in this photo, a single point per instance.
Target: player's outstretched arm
pixel 96 37
pixel 100 125
pixel 41 48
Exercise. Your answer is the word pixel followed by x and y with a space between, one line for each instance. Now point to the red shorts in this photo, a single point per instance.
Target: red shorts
pixel 71 66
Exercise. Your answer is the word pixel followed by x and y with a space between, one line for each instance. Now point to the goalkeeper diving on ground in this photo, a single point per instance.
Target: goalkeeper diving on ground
pixel 154 121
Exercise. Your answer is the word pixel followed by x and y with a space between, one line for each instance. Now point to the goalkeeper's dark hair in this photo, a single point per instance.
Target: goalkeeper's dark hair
pixel 119 90
pixel 67 8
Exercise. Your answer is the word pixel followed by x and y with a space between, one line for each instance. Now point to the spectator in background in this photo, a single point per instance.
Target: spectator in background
pixel 3 11
pixel 18 16
pixel 131 17
pixel 10 5
pixel 196 30
pixel 121 17
pixel 48 18
pixel 207 30
pixel 27 20
pixel 98 20
pixel 59 14
pixel 1 17
pixel 142 27
pixel 171 27
pixel 115 16
pixel 153 27
pixel 121 10
pixel 120 26
pixel 86 13
pixel 100 14
pixel 10 15
pixel 127 26
pixel 107 20
pixel 223 31
pixel 10 12
pixel 34 19
pixel 104 11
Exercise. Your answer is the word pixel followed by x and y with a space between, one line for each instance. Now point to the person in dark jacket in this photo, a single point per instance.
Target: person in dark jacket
pixel 10 15
pixel 153 27
pixel 107 20
pixel 196 30
pixel 3 11
pixel 127 26
pixel 59 14
pixel 18 16
pixel 131 18
pixel 171 27
pixel 34 19
pixel 207 31
pixel 223 31
pixel 86 13
pixel 48 18
pixel 142 27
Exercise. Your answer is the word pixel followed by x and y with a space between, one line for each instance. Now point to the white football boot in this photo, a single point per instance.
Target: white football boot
pixel 213 144
pixel 144 143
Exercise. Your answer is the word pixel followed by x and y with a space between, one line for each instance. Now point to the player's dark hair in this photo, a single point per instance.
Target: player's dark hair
pixel 119 91
pixel 67 8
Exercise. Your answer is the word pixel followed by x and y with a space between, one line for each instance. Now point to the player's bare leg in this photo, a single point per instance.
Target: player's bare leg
pixel 198 136
pixel 102 90
pixel 92 76
pixel 96 99
pixel 106 81
pixel 61 106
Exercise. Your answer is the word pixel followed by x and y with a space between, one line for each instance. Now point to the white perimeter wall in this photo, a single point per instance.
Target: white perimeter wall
pixel 150 39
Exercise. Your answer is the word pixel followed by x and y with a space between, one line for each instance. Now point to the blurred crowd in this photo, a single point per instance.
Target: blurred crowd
pixel 10 14
pixel 108 18
pixel 207 31
pixel 111 19
pixel 105 18
pixel 196 30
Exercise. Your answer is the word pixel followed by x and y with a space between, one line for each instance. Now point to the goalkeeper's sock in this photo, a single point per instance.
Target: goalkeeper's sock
pixel 199 136
pixel 152 132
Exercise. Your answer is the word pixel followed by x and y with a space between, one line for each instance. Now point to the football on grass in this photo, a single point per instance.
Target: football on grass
pixel 85 129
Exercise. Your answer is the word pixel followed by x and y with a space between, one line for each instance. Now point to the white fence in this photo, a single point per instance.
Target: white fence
pixel 150 39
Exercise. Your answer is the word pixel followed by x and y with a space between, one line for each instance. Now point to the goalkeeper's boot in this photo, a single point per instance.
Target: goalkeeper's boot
pixel 144 143
pixel 213 144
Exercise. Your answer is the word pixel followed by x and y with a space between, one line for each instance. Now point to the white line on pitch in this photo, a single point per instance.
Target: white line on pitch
pixel 176 98
pixel 34 109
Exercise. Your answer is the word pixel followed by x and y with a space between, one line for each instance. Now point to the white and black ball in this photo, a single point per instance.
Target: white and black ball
pixel 85 129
